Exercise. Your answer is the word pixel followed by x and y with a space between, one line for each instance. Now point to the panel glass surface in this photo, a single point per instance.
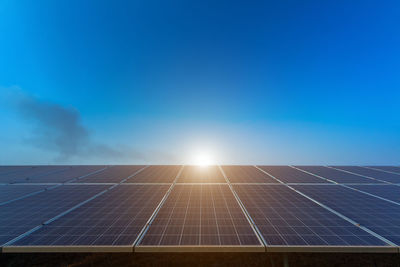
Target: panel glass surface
pixel 380 216
pixel 381 175
pixel 10 169
pixel 287 174
pixel 156 174
pixel 22 215
pixel 246 174
pixel 387 168
pixel 200 215
pixel 391 192
pixel 28 174
pixel 286 218
pixel 336 175
pixel 65 175
pixel 113 174
pixel 114 218
pixel 201 174
pixel 10 192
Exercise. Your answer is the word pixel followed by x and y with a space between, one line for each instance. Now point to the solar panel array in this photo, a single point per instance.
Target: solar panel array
pixel 191 208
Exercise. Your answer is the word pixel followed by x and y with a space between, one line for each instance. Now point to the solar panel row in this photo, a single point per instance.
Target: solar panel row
pixel 282 206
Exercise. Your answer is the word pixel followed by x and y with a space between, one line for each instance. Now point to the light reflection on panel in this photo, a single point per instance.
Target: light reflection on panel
pixel 156 174
pixel 201 174
pixel 246 174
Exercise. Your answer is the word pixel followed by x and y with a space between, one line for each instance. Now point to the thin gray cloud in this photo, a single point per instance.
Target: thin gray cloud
pixel 59 129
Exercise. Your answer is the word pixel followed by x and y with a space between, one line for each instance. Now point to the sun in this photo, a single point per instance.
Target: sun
pixel 203 159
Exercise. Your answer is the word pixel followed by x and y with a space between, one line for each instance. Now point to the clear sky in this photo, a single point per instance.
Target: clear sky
pixel 251 82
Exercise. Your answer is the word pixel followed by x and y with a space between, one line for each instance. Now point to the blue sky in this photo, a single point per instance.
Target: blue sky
pixel 274 82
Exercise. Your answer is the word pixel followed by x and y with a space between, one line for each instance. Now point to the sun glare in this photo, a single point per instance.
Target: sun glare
pixel 202 159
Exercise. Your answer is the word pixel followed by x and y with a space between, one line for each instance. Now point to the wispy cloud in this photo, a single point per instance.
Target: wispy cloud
pixel 59 129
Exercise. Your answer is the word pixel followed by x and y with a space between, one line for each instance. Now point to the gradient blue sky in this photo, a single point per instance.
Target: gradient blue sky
pixel 274 82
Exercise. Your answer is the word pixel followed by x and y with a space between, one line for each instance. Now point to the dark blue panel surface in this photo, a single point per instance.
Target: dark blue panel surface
pixel 395 169
pixel 378 215
pixel 381 175
pixel 10 192
pixel 114 174
pixel 65 175
pixel 11 169
pixel 114 218
pixel 336 175
pixel 22 215
pixel 391 192
pixel 288 174
pixel 286 218
pixel 27 174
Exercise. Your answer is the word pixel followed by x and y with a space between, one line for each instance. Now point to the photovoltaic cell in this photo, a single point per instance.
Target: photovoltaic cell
pixel 65 175
pixel 201 174
pixel 114 174
pixel 10 192
pixel 287 174
pixel 10 169
pixel 285 218
pixel 112 219
pixel 200 215
pixel 381 175
pixel 336 175
pixel 391 192
pixel 387 168
pixel 27 174
pixel 156 174
pixel 246 174
pixel 380 216
pixel 22 215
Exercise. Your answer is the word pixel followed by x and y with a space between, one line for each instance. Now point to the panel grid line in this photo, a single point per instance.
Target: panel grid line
pixel 343 216
pixel 154 214
pixel 243 208
pixel 63 213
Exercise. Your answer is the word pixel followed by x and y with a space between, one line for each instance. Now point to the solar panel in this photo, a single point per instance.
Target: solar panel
pixel 112 219
pixel 377 215
pixel 11 192
pixel 387 168
pixel 10 169
pixel 74 172
pixel 285 218
pixel 156 174
pixel 246 174
pixel 391 192
pixel 113 174
pixel 171 208
pixel 201 174
pixel 20 216
pixel 27 174
pixel 336 175
pixel 381 175
pixel 200 215
pixel 288 174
